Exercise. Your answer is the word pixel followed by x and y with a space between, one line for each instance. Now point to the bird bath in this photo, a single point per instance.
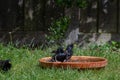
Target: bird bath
pixel 78 62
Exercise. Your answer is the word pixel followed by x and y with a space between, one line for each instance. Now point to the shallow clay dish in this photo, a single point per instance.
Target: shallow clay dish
pixel 79 62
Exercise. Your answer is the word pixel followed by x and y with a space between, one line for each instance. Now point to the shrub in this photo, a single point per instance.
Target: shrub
pixel 57 30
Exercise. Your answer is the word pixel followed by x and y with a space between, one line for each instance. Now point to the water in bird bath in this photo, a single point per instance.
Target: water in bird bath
pixel 79 62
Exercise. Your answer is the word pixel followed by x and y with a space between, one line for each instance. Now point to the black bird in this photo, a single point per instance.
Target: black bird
pixel 58 55
pixel 5 65
pixel 61 55
pixel 69 51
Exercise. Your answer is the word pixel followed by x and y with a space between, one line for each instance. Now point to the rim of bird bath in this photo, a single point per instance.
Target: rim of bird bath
pixel 77 62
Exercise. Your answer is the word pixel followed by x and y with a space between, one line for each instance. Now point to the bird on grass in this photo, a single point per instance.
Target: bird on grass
pixel 5 65
pixel 62 55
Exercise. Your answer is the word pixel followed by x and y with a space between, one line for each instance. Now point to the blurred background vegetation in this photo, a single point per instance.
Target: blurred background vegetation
pixel 31 21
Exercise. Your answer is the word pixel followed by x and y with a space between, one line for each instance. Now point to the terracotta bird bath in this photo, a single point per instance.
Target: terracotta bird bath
pixel 78 62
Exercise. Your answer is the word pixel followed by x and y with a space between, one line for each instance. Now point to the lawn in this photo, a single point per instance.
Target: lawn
pixel 25 65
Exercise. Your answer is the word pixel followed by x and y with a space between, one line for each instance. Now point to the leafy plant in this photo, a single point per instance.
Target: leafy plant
pixel 70 3
pixel 81 3
pixel 57 29
pixel 115 44
pixel 65 3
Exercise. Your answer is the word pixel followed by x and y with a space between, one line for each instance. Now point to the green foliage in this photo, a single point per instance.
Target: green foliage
pixel 81 3
pixel 70 3
pixel 66 3
pixel 112 46
pixel 116 44
pixel 58 29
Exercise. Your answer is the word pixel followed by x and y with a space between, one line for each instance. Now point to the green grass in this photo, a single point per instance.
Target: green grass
pixel 25 65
